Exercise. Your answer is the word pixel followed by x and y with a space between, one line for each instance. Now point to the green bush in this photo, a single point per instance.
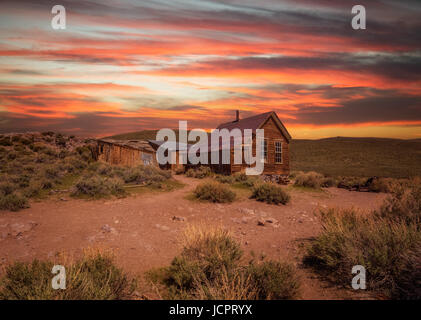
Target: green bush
pixel 310 179
pixel 145 175
pixel 378 244
pixel 199 173
pixel 94 277
pixel 245 180
pixel 13 202
pixel 224 179
pixel 270 193
pixel 214 192
pixel 274 280
pixel 98 187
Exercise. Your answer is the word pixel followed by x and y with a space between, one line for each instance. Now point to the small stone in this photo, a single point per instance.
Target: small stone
pixel 176 218
pixel 260 222
pixel 271 220
pixel 247 211
pixel 107 229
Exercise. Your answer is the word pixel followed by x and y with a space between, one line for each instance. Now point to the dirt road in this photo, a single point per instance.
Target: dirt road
pixel 143 230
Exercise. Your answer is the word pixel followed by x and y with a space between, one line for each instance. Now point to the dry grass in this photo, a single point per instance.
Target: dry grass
pixel 209 267
pixel 93 277
pixel 270 193
pixel 214 192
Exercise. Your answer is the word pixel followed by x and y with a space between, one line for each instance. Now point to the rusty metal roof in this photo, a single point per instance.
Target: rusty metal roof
pixel 255 122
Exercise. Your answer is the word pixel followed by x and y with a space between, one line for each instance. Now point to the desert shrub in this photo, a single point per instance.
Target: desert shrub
pixel 52 172
pixel 94 277
pixel 310 179
pixel 409 279
pixel 21 180
pixel 378 244
pixel 224 179
pixel 105 170
pixel 199 173
pixel 76 163
pixel 85 153
pixel 206 253
pixel 98 187
pixel 61 141
pixel 274 280
pixel 209 267
pixel 328 182
pixel 11 156
pixel 145 175
pixel 403 204
pixel 214 192
pixel 349 182
pixel 5 141
pixel 179 170
pixel 7 188
pixel 245 180
pixel 270 193
pixel 13 202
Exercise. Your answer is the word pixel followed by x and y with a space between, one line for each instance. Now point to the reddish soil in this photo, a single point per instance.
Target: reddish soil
pixel 143 234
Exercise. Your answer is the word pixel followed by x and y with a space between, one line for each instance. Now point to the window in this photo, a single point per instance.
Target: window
pixel 278 151
pixel 146 159
pixel 265 150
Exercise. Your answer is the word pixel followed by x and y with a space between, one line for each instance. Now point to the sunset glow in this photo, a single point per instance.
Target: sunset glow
pixel 122 66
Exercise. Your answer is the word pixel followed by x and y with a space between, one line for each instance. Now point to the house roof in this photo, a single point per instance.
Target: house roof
pixel 170 145
pixel 256 122
pixel 133 144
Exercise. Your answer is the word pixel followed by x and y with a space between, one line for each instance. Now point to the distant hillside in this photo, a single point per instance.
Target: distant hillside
pixel 358 156
pixel 138 135
pixel 344 156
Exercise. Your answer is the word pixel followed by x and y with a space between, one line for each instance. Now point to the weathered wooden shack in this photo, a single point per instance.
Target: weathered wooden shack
pixel 275 148
pixel 126 153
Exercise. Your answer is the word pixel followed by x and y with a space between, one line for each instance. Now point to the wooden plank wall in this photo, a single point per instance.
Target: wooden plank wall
pixel 121 155
pixel 272 134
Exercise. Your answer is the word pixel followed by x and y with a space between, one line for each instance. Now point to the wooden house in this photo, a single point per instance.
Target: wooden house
pixel 275 148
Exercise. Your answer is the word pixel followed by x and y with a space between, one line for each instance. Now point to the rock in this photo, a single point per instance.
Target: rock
pixel 17 229
pixel 271 220
pixel 63 199
pixel 261 222
pixel 176 218
pixel 107 229
pixel 247 211
pixel 300 221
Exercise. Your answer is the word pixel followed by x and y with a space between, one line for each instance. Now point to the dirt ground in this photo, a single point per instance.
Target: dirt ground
pixel 144 230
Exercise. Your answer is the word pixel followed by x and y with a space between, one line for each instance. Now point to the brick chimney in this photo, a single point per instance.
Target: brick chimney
pixel 237 115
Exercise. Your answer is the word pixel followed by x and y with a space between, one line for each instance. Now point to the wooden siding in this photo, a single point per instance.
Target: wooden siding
pixel 272 134
pixel 122 155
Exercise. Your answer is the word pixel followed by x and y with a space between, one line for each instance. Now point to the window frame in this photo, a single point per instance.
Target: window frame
pixel 265 152
pixel 278 152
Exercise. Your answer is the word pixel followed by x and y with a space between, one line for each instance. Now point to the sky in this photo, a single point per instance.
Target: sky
pixel 123 66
